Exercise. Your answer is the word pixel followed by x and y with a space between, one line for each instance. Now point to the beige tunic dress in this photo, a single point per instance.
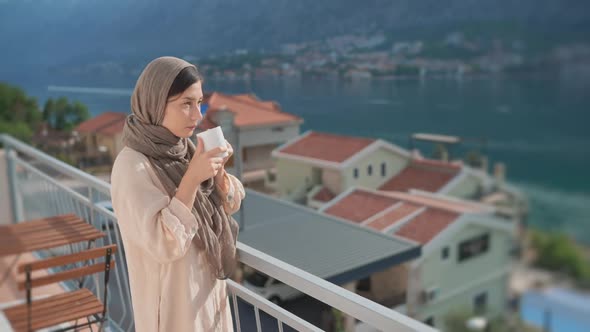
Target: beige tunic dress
pixel 172 286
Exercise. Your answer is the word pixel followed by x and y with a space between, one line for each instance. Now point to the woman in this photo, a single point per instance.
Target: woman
pixel 174 203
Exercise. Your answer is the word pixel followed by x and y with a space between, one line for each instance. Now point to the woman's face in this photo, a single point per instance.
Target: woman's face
pixel 183 111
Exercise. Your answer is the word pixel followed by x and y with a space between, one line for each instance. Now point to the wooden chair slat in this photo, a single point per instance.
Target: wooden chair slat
pixel 49 234
pixel 66 275
pixel 55 242
pixel 28 226
pixel 45 233
pixel 48 313
pixel 69 259
pixel 55 300
pixel 80 304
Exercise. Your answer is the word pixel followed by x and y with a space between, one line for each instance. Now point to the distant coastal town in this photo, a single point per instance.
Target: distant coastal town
pixel 376 56
pixel 360 57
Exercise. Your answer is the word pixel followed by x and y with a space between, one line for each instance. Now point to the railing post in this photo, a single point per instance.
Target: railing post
pixel 91 199
pixel 17 211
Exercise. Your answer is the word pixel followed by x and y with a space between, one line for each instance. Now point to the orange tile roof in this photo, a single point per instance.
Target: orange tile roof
pixel 108 123
pixel 327 147
pixel 428 224
pixel 392 217
pixel 438 214
pixel 428 175
pixel 360 205
pixel 113 129
pixel 324 195
pixel 249 111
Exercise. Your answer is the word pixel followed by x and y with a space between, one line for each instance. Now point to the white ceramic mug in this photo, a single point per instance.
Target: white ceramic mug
pixel 213 138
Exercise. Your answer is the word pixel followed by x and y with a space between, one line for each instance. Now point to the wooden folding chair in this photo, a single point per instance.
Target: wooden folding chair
pixel 65 307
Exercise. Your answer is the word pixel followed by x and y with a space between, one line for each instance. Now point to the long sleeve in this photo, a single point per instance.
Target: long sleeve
pixel 161 226
pixel 234 193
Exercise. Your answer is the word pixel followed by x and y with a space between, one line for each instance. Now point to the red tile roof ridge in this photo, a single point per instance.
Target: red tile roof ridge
pixel 400 212
pixel 471 206
pixel 435 202
pixel 247 99
pixel 435 164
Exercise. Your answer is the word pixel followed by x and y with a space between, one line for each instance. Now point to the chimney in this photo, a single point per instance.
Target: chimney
pixel 484 164
pixel 500 171
pixel 225 118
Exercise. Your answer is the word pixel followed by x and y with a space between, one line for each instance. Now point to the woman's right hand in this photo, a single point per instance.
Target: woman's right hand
pixel 205 165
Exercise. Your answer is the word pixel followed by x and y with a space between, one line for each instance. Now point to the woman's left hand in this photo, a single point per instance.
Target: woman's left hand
pixel 230 152
pixel 220 176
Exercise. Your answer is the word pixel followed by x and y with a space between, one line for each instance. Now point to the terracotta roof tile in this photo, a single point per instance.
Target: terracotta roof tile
pixel 428 224
pixel 392 217
pixel 253 99
pixel 360 205
pixel 328 147
pixel 113 129
pixel 324 195
pixel 108 120
pixel 248 111
pixel 425 175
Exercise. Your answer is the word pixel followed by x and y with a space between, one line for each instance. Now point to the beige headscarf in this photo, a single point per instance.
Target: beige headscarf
pixel 170 155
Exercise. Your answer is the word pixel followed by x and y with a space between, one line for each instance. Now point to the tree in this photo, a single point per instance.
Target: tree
pixel 19 113
pixel 473 158
pixel 48 109
pixel 560 253
pixel 16 106
pixel 60 114
pixel 19 130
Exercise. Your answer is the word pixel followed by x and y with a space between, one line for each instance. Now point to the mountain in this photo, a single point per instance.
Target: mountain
pixel 37 34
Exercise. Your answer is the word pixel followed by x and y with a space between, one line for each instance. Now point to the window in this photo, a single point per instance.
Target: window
pixel 429 321
pixel 431 294
pixel 480 302
pixel 370 170
pixel 445 253
pixel 244 155
pixel 364 285
pixel 257 279
pixel 356 173
pixel 473 247
pixel 383 169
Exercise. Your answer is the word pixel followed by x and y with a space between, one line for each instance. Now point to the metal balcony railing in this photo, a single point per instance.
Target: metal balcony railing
pixel 42 186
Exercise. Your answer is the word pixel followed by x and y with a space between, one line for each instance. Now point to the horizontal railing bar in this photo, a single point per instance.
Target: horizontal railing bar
pixel 270 308
pixel 335 296
pixel 56 164
pixel 33 169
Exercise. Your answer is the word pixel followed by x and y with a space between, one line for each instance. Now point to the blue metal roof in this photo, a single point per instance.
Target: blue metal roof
pixel 330 248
